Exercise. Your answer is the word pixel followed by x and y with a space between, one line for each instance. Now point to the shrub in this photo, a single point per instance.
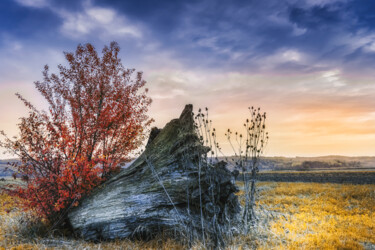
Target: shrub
pixel 96 118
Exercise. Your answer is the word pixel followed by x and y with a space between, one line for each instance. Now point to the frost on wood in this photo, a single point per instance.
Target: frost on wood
pixel 160 190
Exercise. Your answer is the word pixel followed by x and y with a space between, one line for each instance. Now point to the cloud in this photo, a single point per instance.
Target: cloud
pixel 323 2
pixel 291 56
pixel 88 20
pixel 33 3
pixel 97 21
pixel 298 31
pixel 333 77
pixel 232 36
pixel 308 63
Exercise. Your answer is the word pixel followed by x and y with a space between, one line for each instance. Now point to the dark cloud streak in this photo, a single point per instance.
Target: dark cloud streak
pixel 227 35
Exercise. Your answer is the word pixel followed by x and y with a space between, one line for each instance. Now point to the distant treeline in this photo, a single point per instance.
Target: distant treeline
pixel 277 165
pixel 308 163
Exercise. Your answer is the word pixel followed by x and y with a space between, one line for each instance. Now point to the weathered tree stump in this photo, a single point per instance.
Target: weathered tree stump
pixel 161 191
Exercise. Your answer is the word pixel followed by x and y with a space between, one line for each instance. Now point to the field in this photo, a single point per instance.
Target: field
pixel 312 215
pixel 290 216
pixel 324 176
pixel 333 162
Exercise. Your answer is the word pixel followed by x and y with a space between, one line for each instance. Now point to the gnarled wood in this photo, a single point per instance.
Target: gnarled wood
pixel 160 190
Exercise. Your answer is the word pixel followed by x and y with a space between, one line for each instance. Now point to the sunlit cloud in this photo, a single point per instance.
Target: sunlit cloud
pixel 334 78
pixel 102 22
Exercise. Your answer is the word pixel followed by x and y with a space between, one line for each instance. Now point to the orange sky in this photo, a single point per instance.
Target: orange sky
pixel 331 118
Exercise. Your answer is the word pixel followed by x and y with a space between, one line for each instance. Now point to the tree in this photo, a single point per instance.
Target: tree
pixel 96 118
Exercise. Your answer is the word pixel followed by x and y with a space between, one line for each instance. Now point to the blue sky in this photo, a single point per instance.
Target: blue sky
pixel 309 64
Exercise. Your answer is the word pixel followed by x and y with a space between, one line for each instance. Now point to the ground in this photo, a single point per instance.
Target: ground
pixel 314 215
pixel 290 216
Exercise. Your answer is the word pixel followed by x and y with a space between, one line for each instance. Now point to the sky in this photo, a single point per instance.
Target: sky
pixel 308 63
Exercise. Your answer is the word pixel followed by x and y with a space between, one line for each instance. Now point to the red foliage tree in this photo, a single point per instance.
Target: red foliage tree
pixel 96 118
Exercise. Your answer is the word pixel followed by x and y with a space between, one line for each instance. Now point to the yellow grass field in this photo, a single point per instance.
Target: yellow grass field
pixel 318 216
pixel 290 216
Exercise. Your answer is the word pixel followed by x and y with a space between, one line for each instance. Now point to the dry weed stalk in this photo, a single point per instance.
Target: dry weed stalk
pixel 247 152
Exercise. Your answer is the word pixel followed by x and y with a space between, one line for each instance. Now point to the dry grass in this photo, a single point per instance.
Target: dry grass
pixel 324 216
pixel 291 216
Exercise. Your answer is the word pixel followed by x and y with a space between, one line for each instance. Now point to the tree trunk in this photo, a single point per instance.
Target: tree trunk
pixel 161 191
